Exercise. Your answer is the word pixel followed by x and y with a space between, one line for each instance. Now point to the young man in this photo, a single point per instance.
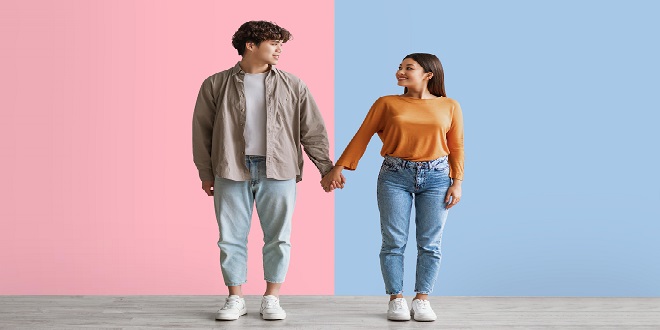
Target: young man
pixel 248 127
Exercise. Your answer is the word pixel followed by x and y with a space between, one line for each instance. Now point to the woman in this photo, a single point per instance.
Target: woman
pixel 422 134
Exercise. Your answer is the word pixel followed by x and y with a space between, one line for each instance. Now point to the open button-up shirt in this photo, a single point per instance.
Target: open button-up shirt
pixel 292 119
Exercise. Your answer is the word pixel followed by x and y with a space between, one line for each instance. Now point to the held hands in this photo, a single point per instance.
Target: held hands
pixel 453 194
pixel 333 179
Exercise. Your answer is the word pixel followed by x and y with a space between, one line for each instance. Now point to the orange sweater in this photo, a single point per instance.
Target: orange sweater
pixel 411 129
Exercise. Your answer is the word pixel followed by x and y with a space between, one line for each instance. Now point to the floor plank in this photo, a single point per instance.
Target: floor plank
pixel 326 312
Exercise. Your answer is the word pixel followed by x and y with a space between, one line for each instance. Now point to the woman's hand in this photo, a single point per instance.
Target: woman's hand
pixel 334 179
pixel 453 193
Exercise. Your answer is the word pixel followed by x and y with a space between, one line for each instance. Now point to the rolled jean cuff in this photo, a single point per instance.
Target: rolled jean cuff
pixel 235 284
pixel 422 292
pixel 392 294
pixel 270 281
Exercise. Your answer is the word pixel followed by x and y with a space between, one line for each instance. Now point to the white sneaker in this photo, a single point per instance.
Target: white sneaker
pixel 233 309
pixel 270 308
pixel 422 311
pixel 398 310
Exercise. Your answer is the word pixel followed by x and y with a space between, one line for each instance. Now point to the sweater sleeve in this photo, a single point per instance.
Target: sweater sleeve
pixel 372 124
pixel 455 143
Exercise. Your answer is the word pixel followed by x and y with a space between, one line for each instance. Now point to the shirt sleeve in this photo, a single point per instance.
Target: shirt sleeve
pixel 202 130
pixel 313 136
pixel 455 144
pixel 371 125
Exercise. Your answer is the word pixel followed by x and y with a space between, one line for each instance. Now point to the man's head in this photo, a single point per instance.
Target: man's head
pixel 260 39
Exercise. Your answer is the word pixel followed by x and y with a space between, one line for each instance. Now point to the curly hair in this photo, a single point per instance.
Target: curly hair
pixel 258 31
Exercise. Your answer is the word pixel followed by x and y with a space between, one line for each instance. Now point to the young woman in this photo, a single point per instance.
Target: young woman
pixel 422 134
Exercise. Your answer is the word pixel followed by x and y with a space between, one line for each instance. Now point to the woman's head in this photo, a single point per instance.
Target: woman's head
pixel 420 69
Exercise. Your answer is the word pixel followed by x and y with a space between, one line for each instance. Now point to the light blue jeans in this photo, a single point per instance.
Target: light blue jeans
pixel 234 201
pixel 400 182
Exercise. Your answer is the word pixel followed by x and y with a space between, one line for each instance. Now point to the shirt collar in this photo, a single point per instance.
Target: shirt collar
pixel 236 70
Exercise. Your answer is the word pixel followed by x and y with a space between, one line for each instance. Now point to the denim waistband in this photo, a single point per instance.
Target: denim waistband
pixel 253 159
pixel 431 164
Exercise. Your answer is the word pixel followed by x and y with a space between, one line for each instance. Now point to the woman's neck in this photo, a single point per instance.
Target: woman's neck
pixel 419 94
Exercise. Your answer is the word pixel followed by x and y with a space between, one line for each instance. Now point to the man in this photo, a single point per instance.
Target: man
pixel 248 127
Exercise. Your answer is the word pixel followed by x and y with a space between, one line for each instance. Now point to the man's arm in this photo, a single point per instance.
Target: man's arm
pixel 313 135
pixel 202 129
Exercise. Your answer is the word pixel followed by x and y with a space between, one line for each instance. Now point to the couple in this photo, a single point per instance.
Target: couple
pixel 249 124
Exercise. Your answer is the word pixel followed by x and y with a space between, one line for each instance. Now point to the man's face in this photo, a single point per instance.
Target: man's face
pixel 267 52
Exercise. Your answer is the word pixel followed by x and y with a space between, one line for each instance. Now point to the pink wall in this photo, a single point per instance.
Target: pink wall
pixel 99 193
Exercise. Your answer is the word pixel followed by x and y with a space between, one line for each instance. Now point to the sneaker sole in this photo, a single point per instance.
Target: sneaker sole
pixel 272 317
pixel 423 319
pixel 229 318
pixel 398 318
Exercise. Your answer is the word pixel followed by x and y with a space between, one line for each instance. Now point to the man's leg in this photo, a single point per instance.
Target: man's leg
pixel 233 209
pixel 275 201
pixel 273 289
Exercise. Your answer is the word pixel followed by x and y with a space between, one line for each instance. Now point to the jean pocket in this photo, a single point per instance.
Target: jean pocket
pixel 387 167
pixel 442 169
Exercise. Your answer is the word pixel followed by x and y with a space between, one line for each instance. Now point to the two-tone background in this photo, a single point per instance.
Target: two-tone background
pixel 99 194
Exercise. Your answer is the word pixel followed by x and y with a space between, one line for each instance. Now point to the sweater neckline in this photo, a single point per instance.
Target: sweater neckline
pixel 412 99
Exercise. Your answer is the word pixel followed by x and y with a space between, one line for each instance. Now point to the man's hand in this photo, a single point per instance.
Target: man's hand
pixel 333 180
pixel 208 187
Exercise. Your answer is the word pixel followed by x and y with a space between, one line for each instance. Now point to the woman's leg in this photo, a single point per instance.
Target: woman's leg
pixel 394 204
pixel 430 217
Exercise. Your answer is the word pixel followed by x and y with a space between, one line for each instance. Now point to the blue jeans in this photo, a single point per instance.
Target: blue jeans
pixel 234 201
pixel 400 182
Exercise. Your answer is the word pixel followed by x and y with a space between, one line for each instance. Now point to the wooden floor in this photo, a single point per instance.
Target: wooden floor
pixel 327 312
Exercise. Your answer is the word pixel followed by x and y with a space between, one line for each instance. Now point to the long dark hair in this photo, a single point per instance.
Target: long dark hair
pixel 431 63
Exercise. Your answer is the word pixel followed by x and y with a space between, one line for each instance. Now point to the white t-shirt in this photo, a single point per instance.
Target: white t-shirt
pixel 255 114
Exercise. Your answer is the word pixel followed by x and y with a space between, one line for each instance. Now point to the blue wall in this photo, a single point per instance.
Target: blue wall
pixel 560 100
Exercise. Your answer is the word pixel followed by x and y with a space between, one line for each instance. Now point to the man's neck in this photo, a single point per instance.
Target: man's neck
pixel 249 66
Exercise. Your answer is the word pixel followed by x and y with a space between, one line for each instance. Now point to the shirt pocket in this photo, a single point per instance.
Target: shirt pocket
pixel 284 108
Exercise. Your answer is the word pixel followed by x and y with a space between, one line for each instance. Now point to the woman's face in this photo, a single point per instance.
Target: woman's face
pixel 412 75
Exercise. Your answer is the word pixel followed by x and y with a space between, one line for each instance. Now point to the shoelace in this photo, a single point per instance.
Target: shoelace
pixel 423 304
pixel 230 303
pixel 271 303
pixel 398 304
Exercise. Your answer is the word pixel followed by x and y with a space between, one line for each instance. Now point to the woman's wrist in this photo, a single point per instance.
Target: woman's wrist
pixel 456 182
